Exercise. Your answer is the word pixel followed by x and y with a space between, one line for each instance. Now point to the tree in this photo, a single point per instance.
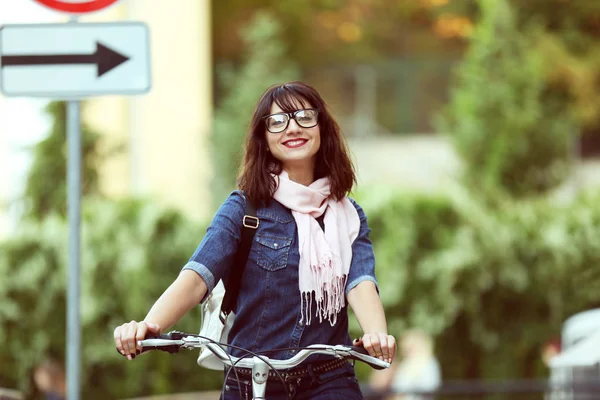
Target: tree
pixel 265 64
pixel 46 187
pixel 512 132
pixel 131 251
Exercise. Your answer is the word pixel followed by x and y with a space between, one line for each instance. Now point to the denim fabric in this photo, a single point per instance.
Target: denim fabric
pixel 268 307
pixel 339 384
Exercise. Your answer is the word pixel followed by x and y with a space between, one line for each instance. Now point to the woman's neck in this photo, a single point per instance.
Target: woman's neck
pixel 304 176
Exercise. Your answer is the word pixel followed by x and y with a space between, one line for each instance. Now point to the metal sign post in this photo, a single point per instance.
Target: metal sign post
pixel 70 62
pixel 74 216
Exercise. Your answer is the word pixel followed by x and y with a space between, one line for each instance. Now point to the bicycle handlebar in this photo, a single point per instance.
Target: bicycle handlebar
pixel 175 340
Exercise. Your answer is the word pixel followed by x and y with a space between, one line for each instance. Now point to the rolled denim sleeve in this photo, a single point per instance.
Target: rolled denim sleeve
pixel 362 267
pixel 214 256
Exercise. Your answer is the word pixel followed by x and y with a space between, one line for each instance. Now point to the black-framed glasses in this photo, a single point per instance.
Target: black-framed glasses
pixel 306 118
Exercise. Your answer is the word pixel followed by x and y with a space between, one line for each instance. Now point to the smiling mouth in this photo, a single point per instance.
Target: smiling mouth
pixel 295 143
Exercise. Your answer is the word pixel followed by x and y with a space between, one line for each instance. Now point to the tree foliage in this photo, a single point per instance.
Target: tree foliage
pixel 510 130
pixel 325 32
pixel 265 64
pixel 46 187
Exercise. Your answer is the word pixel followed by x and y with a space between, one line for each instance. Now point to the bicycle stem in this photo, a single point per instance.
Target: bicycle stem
pixel 260 373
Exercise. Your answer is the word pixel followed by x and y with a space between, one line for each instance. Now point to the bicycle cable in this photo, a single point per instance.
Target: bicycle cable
pixel 248 353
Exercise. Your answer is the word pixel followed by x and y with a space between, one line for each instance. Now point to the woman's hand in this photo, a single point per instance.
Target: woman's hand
pixel 380 345
pixel 127 335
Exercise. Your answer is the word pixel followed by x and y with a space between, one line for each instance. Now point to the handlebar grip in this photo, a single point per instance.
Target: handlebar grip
pixel 360 349
pixel 373 364
pixel 173 335
pixel 169 349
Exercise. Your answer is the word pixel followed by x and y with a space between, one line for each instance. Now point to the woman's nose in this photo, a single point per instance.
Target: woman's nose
pixel 293 126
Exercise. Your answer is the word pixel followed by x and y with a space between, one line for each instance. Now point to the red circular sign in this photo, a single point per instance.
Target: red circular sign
pixel 81 7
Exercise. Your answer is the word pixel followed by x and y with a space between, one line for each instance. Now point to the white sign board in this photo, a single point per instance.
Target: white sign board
pixel 74 60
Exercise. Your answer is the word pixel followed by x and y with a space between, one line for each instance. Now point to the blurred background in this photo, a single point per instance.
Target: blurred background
pixel 475 129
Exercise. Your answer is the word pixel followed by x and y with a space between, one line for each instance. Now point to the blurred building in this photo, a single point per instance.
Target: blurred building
pixel 421 162
pixel 163 137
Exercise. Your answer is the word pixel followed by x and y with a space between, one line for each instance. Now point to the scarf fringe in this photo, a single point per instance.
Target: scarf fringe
pixel 329 295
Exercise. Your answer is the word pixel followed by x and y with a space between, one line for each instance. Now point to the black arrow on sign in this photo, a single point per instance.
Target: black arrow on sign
pixel 104 58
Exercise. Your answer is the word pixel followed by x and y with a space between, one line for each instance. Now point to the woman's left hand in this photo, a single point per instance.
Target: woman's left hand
pixel 380 345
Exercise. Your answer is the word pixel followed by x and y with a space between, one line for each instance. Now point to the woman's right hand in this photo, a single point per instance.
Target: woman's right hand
pixel 127 335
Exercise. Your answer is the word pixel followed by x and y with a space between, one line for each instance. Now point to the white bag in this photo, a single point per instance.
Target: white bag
pixel 213 328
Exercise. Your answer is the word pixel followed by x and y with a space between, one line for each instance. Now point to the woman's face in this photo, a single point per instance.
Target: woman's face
pixel 295 145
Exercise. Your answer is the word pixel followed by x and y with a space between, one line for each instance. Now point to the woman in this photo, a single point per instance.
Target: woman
pixel 311 252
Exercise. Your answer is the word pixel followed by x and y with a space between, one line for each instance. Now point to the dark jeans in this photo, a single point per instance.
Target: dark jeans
pixel 339 384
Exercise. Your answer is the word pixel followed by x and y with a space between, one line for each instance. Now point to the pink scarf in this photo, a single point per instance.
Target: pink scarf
pixel 325 257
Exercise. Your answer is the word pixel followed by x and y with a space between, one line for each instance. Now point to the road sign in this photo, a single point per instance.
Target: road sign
pixel 70 61
pixel 77 6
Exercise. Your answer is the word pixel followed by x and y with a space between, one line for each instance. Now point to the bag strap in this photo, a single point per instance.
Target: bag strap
pixel 249 225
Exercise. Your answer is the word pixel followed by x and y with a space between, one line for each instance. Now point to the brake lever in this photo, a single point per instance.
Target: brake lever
pixel 173 335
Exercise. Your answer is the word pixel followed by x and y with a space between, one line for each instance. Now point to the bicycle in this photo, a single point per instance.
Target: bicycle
pixel 260 365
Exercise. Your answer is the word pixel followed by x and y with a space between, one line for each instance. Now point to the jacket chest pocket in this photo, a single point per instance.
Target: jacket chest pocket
pixel 273 251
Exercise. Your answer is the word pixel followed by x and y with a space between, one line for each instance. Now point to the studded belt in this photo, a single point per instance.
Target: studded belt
pixel 299 373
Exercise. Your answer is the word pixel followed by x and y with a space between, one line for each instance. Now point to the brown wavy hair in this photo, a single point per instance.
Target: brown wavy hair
pixel 332 159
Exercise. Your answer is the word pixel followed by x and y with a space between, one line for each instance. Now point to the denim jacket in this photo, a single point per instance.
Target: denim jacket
pixel 268 314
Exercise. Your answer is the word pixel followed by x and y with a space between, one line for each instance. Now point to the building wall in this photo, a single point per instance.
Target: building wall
pixel 164 134
pixel 416 162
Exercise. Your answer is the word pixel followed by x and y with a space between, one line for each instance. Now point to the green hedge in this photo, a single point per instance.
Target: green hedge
pixel 492 284
pixel 131 252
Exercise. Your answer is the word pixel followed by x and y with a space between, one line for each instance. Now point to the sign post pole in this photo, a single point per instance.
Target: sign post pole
pixel 74 216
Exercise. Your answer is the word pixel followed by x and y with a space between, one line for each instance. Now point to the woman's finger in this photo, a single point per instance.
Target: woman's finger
pixel 383 344
pixel 124 329
pixel 392 348
pixel 372 345
pixel 117 337
pixel 140 335
pixel 131 332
